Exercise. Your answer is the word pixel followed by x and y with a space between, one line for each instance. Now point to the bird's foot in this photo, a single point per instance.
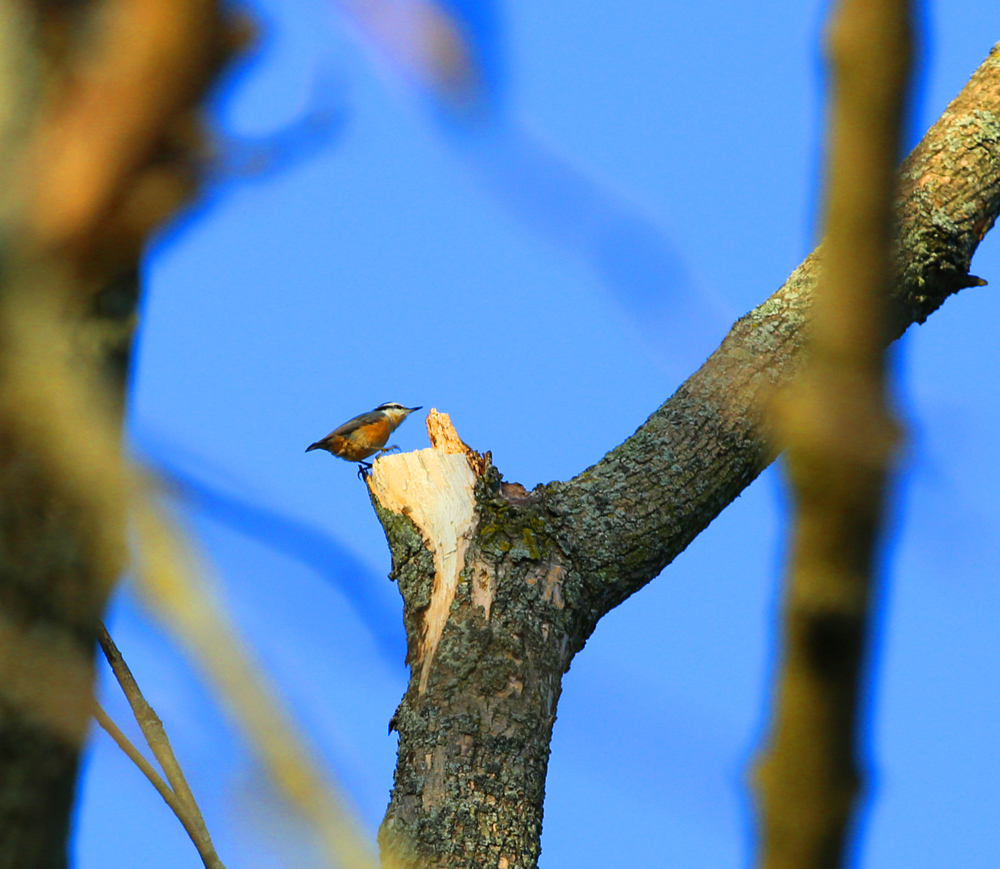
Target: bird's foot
pixel 364 469
pixel 384 450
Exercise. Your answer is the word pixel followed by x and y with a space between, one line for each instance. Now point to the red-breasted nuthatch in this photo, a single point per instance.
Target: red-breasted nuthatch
pixel 365 435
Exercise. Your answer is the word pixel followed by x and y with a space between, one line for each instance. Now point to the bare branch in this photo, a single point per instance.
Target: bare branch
pixel 156 737
pixel 193 825
pixel 542 568
pixel 840 440
pixel 167 580
pixel 624 519
pixel 100 143
pixel 136 756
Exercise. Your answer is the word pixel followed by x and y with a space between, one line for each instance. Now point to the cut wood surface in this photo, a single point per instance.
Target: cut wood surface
pixel 435 488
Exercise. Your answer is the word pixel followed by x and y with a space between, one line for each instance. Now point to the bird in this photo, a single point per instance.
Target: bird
pixel 365 435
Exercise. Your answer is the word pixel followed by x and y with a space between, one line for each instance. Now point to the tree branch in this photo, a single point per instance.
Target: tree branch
pixel 183 802
pixel 623 520
pixel 193 825
pixel 490 636
pixel 840 440
pixel 100 145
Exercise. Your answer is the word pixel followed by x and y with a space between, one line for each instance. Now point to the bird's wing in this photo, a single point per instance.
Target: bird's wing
pixel 354 424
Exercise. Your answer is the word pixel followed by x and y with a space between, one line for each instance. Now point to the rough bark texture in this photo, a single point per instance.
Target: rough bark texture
pixel 474 747
pixel 543 567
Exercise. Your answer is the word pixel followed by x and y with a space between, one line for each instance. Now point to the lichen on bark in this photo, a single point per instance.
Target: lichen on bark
pixel 474 746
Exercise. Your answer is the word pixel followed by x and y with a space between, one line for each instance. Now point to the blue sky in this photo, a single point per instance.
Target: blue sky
pixel 404 260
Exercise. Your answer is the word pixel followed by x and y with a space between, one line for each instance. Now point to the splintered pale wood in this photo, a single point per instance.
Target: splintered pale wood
pixel 435 489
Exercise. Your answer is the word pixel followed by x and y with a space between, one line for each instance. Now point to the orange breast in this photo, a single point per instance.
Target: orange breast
pixel 350 450
pixel 361 442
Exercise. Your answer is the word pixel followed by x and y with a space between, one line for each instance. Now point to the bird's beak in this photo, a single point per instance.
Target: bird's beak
pixel 314 446
pixel 411 409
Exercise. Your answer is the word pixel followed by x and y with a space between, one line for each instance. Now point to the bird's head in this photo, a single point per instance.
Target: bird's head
pixel 395 411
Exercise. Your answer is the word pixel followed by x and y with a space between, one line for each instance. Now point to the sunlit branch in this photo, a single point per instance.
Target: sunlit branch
pixel 840 438
pixel 194 825
pixel 156 737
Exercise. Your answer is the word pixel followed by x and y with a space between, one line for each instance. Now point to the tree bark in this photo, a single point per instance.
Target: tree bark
pixel 541 568
pixel 99 145
pixel 52 593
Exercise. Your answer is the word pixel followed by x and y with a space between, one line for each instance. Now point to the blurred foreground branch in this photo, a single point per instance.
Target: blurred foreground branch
pixel 100 143
pixel 169 583
pixel 840 439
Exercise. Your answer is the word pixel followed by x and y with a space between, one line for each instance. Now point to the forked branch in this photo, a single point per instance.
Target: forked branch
pixel 177 794
pixel 491 635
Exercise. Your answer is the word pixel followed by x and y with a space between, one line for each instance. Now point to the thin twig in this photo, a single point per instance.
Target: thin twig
pixel 82 448
pixel 149 722
pixel 167 579
pixel 180 799
pixel 147 769
pixel 841 438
